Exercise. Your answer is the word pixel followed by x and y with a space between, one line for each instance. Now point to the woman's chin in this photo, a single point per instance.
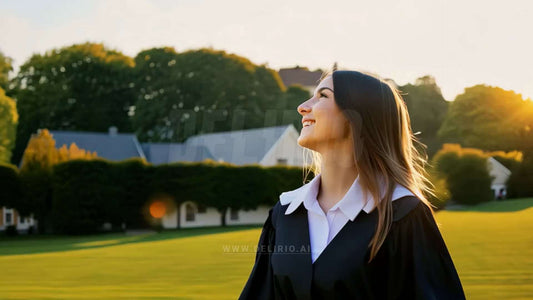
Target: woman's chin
pixel 305 141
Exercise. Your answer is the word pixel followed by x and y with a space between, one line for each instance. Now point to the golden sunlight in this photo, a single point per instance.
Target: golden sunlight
pixel 157 209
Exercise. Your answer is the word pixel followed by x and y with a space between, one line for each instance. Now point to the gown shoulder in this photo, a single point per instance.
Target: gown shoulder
pixel 414 257
pixel 260 283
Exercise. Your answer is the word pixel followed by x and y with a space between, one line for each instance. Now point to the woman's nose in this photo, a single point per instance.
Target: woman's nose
pixel 304 108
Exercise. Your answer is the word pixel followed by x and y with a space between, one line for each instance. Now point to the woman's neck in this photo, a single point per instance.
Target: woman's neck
pixel 338 172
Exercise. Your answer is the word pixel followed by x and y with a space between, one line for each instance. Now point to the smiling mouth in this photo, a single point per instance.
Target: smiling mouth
pixel 308 123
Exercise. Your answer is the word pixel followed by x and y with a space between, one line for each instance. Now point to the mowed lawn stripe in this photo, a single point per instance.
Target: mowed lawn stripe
pixel 492 252
pixel 191 268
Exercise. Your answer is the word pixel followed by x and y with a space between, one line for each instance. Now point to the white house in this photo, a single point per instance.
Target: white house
pixel 10 216
pixel 500 174
pixel 267 146
pixel 112 145
pixel 300 76
pixel 193 215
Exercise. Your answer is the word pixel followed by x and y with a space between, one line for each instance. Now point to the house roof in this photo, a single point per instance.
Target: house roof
pixel 239 147
pixel 116 146
pixel 164 153
pixel 299 75
pixel 499 165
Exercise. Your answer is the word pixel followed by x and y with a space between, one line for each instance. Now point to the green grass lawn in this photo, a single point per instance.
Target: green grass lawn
pixel 491 244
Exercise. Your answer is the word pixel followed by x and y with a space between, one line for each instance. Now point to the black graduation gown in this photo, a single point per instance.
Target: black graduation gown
pixel 413 262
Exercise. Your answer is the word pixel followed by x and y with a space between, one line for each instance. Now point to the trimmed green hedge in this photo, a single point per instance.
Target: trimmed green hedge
pixel 520 183
pixel 10 191
pixel 87 194
pixel 84 196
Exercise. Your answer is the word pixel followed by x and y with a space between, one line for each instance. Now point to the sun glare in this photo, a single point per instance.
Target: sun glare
pixel 157 209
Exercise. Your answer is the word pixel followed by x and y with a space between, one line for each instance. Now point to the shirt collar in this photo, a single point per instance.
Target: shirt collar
pixel 350 205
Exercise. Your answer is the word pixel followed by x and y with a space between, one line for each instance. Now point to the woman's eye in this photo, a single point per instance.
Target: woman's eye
pixel 322 95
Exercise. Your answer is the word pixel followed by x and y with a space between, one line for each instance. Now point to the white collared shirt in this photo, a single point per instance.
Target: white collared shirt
pixel 324 227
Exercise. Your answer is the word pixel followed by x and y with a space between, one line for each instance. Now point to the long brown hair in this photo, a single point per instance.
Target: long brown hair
pixel 384 144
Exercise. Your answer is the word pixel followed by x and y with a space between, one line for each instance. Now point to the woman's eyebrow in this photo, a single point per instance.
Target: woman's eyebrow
pixel 324 88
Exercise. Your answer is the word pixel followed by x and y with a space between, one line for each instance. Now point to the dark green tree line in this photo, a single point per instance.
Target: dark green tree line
pixel 84 87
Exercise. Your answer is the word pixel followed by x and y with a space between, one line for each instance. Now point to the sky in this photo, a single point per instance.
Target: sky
pixel 460 42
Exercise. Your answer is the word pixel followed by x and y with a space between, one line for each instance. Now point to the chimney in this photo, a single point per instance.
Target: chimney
pixel 113 130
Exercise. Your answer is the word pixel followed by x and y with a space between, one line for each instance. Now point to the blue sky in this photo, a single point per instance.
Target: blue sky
pixel 461 43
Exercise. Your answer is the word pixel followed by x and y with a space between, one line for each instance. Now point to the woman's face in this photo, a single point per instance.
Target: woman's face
pixel 328 126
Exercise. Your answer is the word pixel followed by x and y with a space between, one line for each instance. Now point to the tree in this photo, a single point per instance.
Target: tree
pixel 200 91
pixel 466 173
pixel 84 87
pixel 8 126
pixel 157 93
pixel 36 175
pixel 41 152
pixel 73 152
pixel 520 183
pixel 288 106
pixel 488 118
pixel 427 110
pixel 6 66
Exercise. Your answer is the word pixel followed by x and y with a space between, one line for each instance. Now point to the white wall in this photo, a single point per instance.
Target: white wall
pixel 210 218
pixel 257 216
pixel 170 220
pixel 286 147
pixel 500 175
pixel 28 221
pixel 496 189
pixel 499 171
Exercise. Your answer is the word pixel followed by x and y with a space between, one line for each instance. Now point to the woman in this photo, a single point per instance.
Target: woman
pixel 330 238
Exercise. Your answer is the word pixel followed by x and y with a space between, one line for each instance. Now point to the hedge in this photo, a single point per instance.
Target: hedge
pixel 88 193
pixel 10 191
